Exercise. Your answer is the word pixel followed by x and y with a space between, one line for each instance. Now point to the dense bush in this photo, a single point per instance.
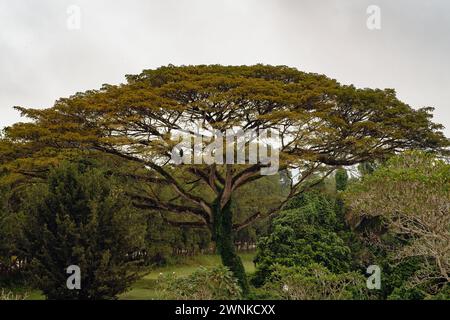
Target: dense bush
pixel 443 294
pixel 80 217
pixel 6 241
pixel 315 282
pixel 204 284
pixel 403 207
pixel 11 232
pixel 302 235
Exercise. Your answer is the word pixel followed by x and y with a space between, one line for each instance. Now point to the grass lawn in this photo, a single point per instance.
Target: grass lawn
pixel 30 294
pixel 144 289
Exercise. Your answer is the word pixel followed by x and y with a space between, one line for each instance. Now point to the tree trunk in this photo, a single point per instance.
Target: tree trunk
pixel 224 238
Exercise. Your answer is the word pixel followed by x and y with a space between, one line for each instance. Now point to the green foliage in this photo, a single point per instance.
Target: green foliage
pixel 6 242
pixel 405 293
pixel 341 182
pixel 402 209
pixel 164 242
pixel 204 284
pixel 10 235
pixel 261 195
pixel 366 168
pixel 303 234
pixel 315 282
pixel 341 178
pixel 80 217
pixel 443 294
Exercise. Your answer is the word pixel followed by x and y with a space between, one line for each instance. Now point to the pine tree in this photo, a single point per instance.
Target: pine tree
pixel 79 217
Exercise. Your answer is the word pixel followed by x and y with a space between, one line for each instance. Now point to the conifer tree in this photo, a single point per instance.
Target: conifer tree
pixel 79 217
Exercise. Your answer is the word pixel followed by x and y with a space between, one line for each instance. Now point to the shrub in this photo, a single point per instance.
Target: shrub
pixel 304 234
pixel 80 217
pixel 204 284
pixel 10 232
pixel 408 196
pixel 443 294
pixel 315 282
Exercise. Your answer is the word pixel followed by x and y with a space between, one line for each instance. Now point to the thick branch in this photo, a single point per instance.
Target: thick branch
pixel 149 203
pixel 190 224
pixel 227 190
pixel 171 180
pixel 242 177
pixel 258 216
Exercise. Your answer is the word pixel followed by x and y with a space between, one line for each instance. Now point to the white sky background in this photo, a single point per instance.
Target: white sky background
pixel 42 60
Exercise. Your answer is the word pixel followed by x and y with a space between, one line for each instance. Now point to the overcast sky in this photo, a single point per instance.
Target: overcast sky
pixel 43 58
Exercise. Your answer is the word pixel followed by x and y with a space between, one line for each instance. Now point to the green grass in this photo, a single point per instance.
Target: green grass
pixel 35 295
pixel 145 288
pixel 31 294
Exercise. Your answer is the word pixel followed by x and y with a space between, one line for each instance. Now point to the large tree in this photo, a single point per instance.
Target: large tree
pixel 322 125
